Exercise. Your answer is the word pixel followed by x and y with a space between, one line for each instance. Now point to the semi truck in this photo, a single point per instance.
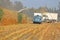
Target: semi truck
pixel 47 17
pixel 37 18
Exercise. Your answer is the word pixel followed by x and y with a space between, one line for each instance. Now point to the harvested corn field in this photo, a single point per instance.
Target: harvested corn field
pixel 44 31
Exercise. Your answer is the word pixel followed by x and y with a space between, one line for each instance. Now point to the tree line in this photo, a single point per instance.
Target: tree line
pixel 18 5
pixel 8 4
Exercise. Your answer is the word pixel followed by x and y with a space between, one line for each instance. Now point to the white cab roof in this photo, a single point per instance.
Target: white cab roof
pixel 40 14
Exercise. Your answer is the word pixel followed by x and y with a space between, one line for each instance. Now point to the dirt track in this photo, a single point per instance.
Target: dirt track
pixel 45 31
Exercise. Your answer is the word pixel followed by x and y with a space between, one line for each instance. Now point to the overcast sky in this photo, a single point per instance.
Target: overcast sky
pixel 38 3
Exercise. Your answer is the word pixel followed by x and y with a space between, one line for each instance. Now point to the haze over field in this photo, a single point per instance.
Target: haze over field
pixel 38 3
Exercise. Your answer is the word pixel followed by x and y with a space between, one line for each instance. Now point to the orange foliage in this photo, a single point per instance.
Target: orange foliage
pixel 9 17
pixel 24 19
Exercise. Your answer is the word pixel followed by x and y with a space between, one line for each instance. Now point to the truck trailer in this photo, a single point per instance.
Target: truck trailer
pixel 50 17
